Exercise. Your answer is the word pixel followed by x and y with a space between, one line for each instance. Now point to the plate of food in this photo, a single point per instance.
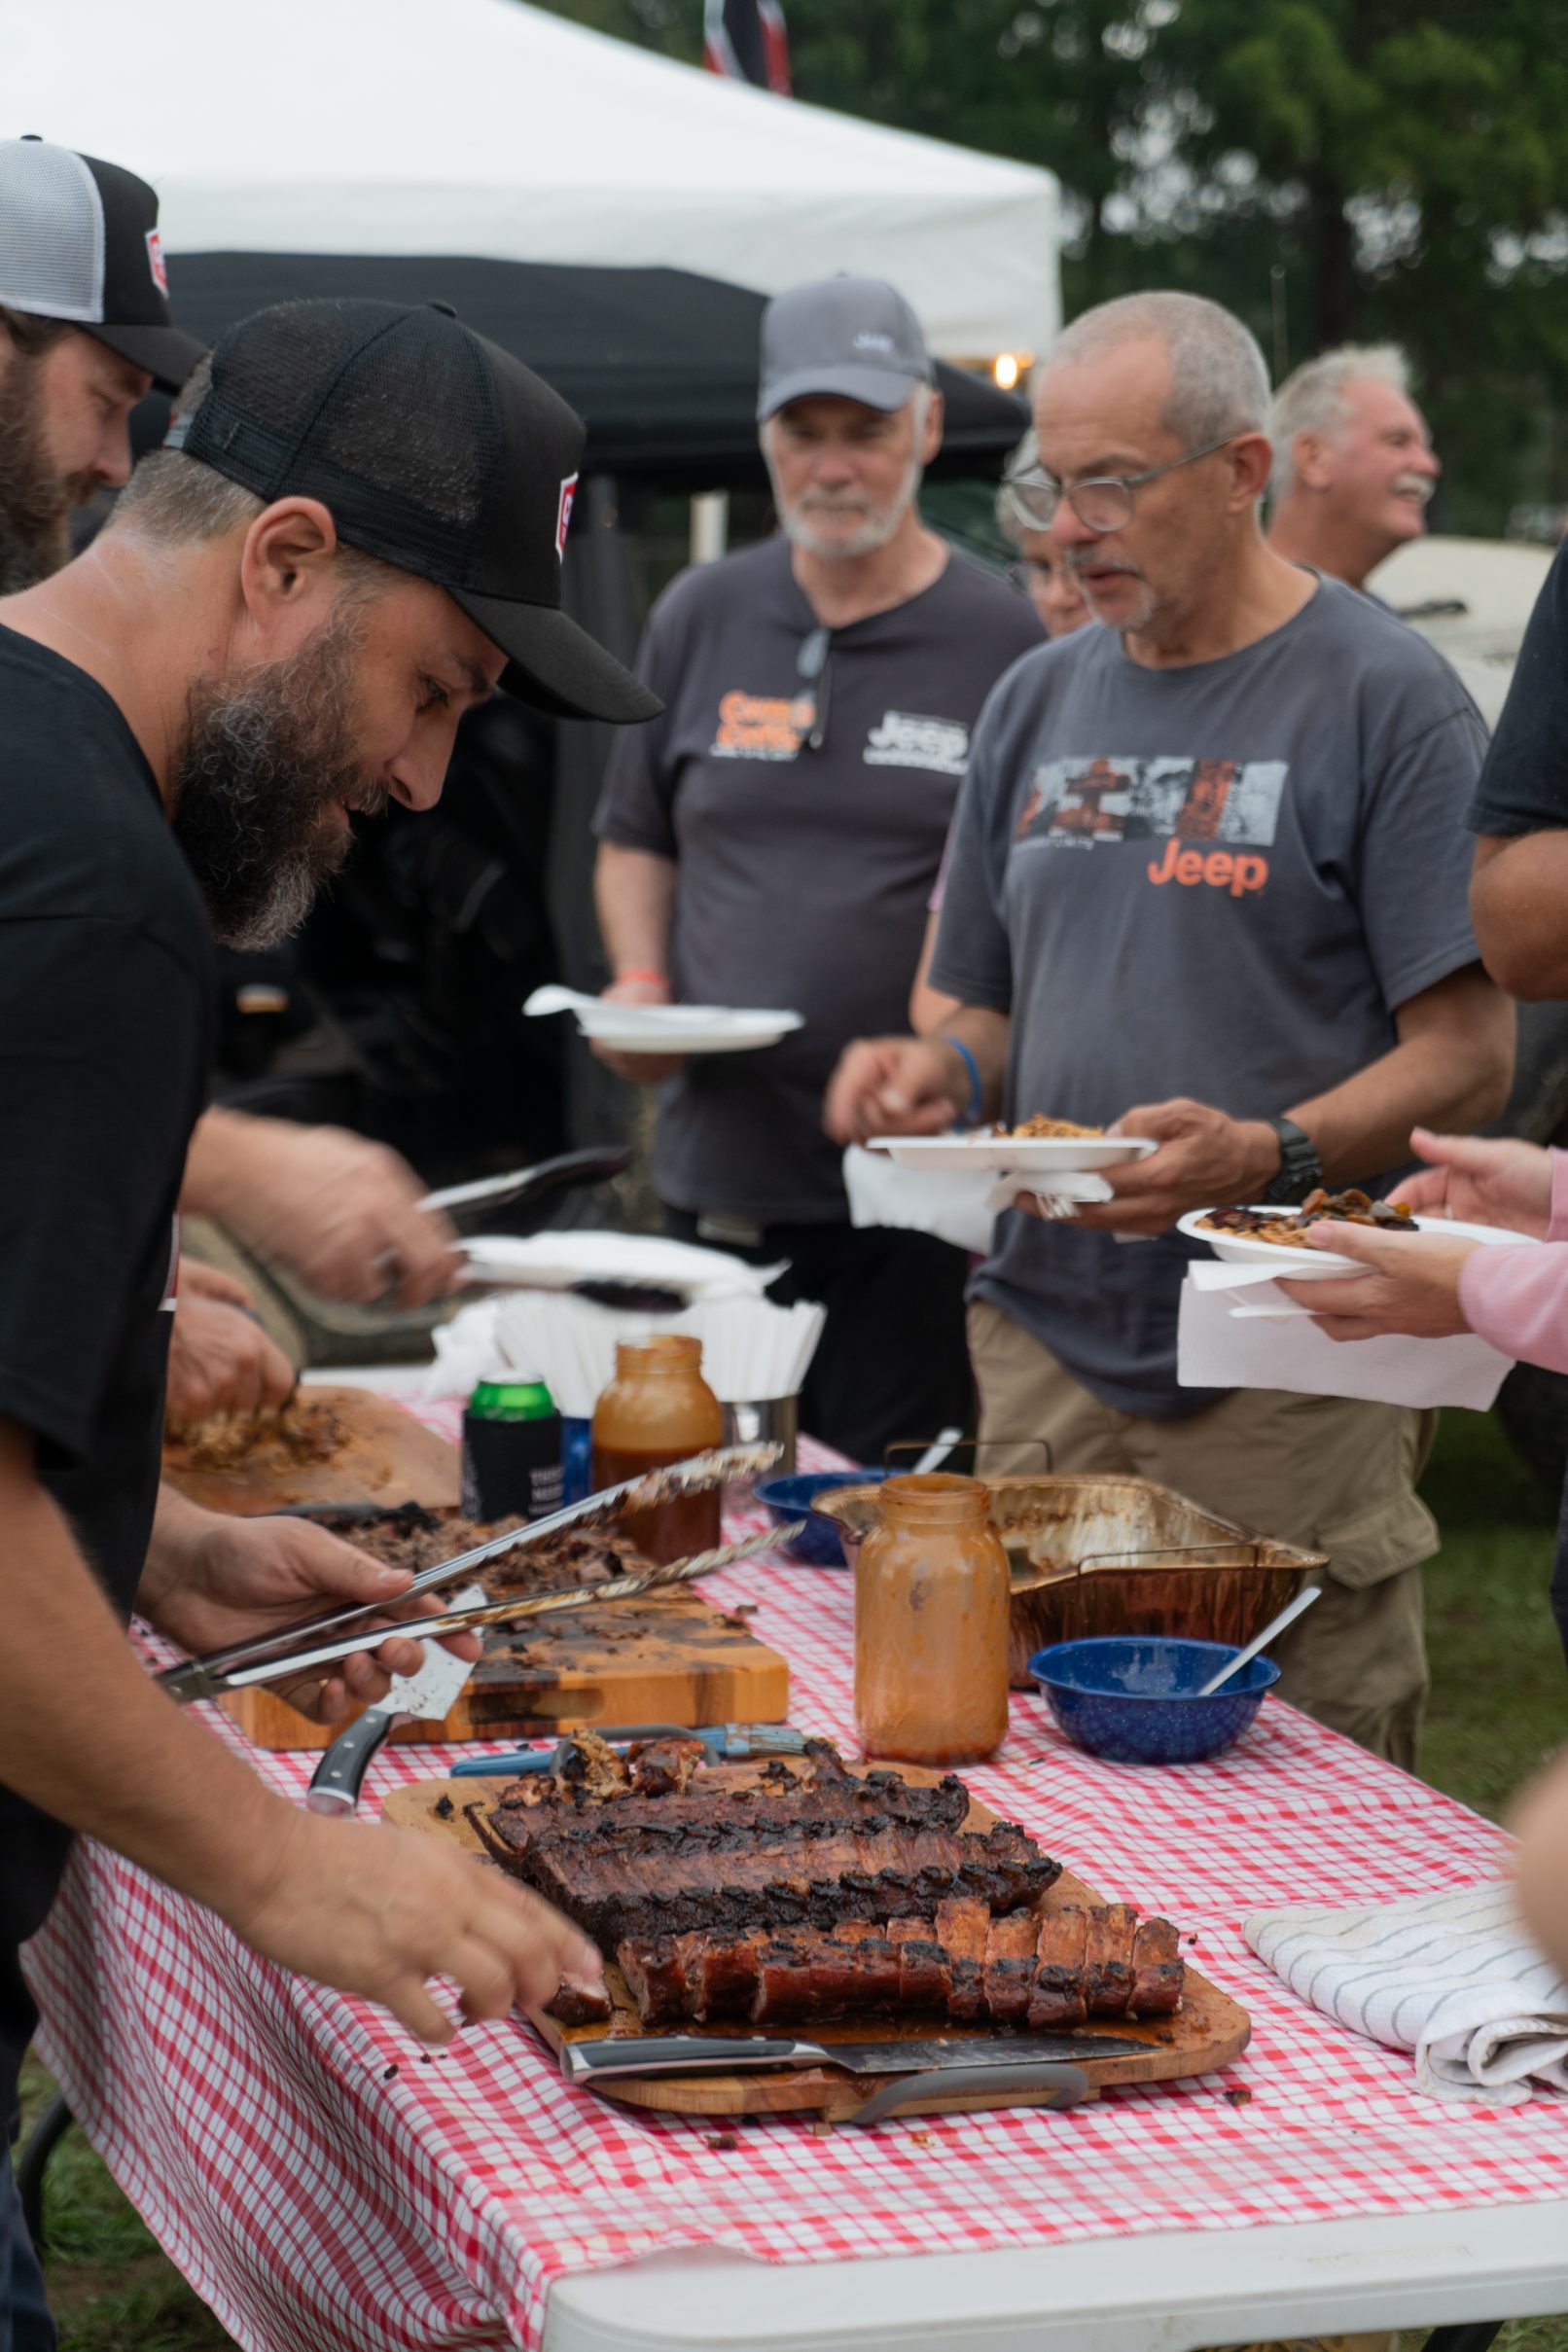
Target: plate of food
pixel 1037 1147
pixel 1275 1237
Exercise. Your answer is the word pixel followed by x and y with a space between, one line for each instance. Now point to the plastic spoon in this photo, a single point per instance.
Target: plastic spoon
pixel 936 1451
pixel 1260 1642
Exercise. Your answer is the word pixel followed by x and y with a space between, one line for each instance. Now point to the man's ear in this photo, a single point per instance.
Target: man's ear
pixel 286 559
pixel 1311 461
pixel 932 440
pixel 1251 461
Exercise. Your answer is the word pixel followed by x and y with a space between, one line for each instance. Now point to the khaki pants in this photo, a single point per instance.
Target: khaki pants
pixel 1327 1473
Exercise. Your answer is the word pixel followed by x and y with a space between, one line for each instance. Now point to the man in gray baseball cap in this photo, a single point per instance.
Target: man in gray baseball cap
pixel 774 838
pixel 86 332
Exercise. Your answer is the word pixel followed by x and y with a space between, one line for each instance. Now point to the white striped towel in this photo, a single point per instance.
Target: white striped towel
pixel 1453 1977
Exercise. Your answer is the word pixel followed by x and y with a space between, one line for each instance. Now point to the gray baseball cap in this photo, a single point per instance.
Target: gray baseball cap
pixel 856 336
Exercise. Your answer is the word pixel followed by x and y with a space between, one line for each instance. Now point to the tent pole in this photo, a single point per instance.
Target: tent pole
pixel 711 525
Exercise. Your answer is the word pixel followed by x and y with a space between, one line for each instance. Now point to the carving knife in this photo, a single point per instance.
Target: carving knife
pixel 614 2060
pixel 424 1698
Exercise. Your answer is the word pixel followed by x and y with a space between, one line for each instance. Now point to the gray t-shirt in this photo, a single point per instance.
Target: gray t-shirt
pixel 803 874
pixel 1221 881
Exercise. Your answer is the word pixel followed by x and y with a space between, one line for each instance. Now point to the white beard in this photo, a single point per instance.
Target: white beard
pixel 879 526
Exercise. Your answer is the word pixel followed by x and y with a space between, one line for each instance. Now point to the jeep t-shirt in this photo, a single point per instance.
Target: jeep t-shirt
pixel 1219 882
pixel 803 873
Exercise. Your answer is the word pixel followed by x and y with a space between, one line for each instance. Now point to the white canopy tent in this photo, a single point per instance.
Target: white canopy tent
pixel 489 128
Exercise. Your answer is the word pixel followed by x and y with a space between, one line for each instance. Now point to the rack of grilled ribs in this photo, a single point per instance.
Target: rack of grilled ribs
pixel 735 1877
pixel 1021 1970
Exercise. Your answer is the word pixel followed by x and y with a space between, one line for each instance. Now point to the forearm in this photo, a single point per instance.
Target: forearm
pixel 222 1158
pixel 89 1737
pixel 1451 1071
pixel 178 1528
pixel 1517 893
pixel 1540 1824
pixel 985 1034
pixel 634 894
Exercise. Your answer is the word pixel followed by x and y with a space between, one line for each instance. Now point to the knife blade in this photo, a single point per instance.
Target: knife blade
pixel 425 1696
pixel 609 2060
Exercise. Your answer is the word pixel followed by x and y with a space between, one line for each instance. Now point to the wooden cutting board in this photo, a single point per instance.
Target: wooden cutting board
pixel 388 1457
pixel 668 1659
pixel 1207 2031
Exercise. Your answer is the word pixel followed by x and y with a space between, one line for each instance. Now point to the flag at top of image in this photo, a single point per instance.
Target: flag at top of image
pixel 746 40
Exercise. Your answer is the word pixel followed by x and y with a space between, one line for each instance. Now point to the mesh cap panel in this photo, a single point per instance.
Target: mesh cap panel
pixel 397 431
pixel 50 232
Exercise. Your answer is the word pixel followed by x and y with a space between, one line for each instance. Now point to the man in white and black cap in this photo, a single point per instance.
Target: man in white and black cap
pixel 85 334
pixel 773 838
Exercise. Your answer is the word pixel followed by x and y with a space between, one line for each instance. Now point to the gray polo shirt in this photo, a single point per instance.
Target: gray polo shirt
pixel 803 874
pixel 1221 881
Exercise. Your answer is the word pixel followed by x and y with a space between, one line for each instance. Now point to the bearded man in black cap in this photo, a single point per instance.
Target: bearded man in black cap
pixel 354 534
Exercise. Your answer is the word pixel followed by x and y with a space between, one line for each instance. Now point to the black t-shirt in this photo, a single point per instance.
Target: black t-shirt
pixel 106 990
pixel 802 875
pixel 1523 786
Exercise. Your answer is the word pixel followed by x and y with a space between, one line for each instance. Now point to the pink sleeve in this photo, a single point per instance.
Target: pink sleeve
pixel 1517 1299
pixel 1557 1229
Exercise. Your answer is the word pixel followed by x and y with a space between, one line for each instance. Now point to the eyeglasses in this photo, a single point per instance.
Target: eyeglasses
pixel 1104 503
pixel 1029 573
pixel 813 665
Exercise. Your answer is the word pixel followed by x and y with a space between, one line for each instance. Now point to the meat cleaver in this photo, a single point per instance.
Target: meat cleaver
pixel 425 1697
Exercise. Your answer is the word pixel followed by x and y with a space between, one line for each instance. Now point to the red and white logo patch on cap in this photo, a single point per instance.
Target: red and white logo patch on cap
pixel 563 513
pixel 154 262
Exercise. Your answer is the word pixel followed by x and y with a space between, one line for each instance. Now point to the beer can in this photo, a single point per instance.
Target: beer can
pixel 512 1451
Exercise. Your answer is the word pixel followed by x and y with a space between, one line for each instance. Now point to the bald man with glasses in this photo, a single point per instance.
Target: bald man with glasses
pixel 1208 885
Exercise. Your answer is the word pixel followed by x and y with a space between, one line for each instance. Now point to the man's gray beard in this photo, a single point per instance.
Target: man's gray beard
pixel 262 760
pixel 35 537
pixel 882 523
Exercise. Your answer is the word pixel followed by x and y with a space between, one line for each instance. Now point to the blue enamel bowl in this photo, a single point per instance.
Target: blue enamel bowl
pixel 792 1498
pixel 1135 1701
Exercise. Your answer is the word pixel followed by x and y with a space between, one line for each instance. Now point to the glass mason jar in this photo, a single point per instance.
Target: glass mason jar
pixel 658 1409
pixel 931 1624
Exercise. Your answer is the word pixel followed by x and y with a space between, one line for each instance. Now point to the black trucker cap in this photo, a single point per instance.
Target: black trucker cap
pixel 79 241
pixel 433 449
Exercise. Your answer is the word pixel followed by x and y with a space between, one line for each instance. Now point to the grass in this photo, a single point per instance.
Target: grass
pixel 1499 1707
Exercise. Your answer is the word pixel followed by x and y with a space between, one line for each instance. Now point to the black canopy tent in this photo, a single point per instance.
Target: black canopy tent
pixel 661 365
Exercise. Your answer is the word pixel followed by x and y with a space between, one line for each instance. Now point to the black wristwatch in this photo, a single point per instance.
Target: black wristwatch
pixel 1300 1170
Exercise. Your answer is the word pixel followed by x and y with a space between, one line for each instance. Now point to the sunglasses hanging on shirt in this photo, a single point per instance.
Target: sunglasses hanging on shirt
pixel 813 665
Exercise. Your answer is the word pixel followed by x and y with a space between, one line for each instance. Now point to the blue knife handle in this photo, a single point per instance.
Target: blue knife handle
pixel 337 1781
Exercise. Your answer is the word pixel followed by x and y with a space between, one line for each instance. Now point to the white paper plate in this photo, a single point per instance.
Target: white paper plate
pixel 1015 1155
pixel 554 1261
pixel 1310 1265
pixel 687 1029
pixel 667 1029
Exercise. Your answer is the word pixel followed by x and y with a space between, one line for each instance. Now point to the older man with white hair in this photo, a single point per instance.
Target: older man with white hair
pixel 773 838
pixel 1208 885
pixel 1354 465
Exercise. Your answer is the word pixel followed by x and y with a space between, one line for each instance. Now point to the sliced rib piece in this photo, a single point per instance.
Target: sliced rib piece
pixel 1158 1969
pixel 818 1979
pixel 1009 1972
pixel 1108 1934
pixel 962 1926
pixel 925 1968
pixel 1056 1997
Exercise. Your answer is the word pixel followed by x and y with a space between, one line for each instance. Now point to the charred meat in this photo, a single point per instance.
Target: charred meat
pixel 1351 1207
pixel 1021 1969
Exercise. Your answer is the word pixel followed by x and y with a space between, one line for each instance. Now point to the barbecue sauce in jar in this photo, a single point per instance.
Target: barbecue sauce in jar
pixel 931 1625
pixel 659 1409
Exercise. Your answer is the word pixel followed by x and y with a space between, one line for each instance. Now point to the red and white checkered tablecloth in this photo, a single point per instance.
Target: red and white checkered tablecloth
pixel 329 2188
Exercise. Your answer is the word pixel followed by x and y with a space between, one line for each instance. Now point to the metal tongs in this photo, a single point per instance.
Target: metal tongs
pixel 275 1655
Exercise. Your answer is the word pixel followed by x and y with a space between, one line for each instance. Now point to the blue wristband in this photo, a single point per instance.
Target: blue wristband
pixel 976 1098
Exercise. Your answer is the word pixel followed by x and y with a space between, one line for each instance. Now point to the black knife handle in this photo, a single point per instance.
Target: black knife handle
pixel 1068 2084
pixel 678 2054
pixel 337 1781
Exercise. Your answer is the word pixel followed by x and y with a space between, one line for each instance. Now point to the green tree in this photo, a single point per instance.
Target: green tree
pixel 1332 169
